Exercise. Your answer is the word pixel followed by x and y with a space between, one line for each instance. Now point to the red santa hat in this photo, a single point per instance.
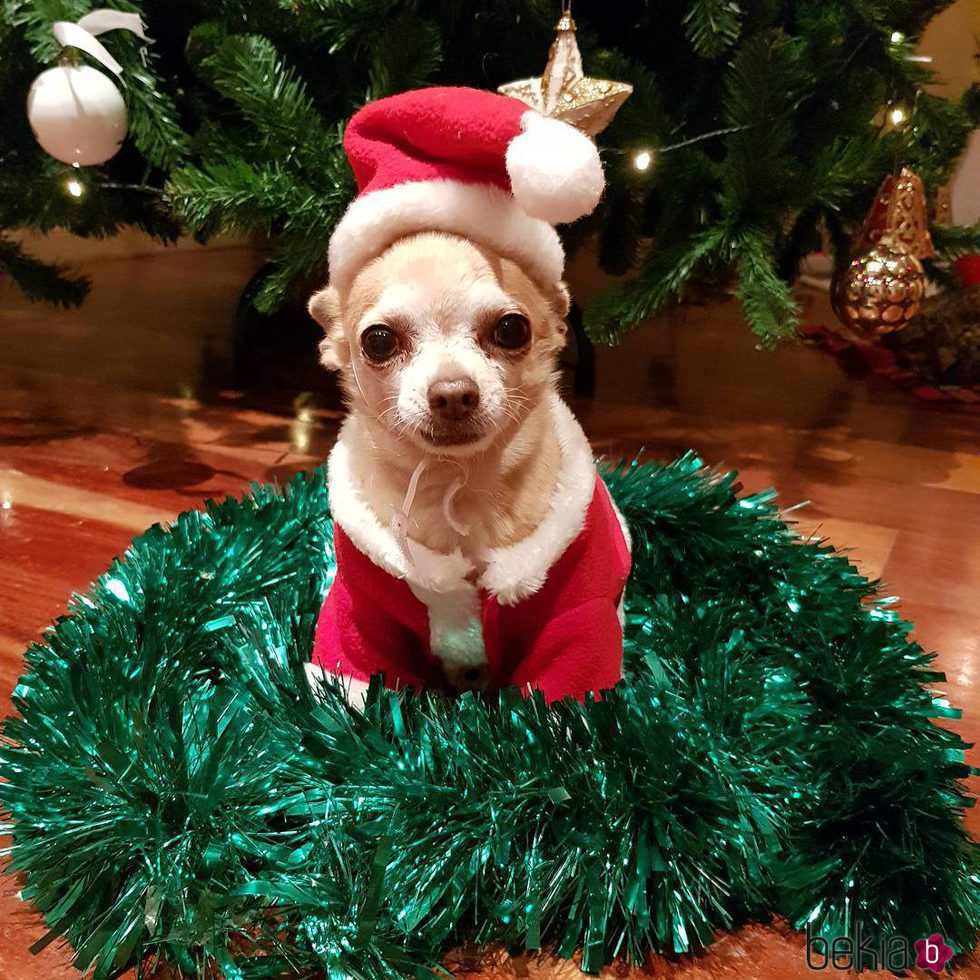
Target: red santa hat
pixel 469 162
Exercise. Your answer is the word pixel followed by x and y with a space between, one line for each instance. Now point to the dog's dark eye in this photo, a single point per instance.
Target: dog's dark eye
pixel 379 343
pixel 512 331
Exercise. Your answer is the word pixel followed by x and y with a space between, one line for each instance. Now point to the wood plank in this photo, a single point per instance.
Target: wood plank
pixel 126 411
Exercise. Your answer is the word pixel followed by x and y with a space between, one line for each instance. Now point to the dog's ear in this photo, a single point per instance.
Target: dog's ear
pixel 561 300
pixel 325 308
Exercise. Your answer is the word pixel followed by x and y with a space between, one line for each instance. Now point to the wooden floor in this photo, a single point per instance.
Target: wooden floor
pixel 126 411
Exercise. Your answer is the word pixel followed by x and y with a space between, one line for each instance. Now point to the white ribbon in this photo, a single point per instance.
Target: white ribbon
pixel 82 35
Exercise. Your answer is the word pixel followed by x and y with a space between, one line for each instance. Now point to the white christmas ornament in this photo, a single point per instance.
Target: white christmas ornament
pixel 77 114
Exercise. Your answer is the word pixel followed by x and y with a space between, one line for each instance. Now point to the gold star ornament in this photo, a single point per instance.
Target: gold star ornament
pixel 564 91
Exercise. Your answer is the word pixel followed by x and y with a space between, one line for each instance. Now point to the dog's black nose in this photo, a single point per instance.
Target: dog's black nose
pixel 454 399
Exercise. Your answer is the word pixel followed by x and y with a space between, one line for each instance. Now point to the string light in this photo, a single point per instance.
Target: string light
pixel 302 426
pixel 643 160
pixel 898 38
pixel 897 115
pixel 74 187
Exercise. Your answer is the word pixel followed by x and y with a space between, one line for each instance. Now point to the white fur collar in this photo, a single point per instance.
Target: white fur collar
pixel 510 574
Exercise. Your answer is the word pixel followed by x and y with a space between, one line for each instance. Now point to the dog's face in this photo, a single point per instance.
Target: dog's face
pixel 442 343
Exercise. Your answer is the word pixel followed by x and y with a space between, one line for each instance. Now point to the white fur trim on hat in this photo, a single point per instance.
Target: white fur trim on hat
pixel 480 212
pixel 555 171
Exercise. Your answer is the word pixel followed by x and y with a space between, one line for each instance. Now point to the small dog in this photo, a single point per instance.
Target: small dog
pixel 476 546
pixel 447 353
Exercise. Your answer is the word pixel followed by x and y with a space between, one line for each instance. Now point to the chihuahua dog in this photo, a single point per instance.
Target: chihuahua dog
pixel 476 546
pixel 446 353
pixel 460 482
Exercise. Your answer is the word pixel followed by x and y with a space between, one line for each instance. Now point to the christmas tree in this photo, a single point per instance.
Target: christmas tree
pixel 756 131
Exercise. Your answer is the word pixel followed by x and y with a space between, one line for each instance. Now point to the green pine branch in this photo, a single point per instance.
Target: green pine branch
pixel 36 198
pixel 352 22
pixel 661 281
pixel 844 168
pixel 713 26
pixel 39 280
pixel 759 102
pixel 954 241
pixel 644 118
pixel 405 56
pixel 285 125
pixel 935 137
pixel 908 16
pixel 238 196
pixel 270 200
pixel 153 124
pixel 295 258
pixel 765 298
pixel 36 18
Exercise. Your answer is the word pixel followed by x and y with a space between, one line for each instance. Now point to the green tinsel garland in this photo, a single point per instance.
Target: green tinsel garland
pixel 175 789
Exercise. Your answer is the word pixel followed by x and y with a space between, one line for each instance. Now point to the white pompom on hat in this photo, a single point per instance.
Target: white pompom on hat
pixel 468 162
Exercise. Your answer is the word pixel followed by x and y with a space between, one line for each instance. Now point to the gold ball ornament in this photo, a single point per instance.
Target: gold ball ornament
pixel 880 291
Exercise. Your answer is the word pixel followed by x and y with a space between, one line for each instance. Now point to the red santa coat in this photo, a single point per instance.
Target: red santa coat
pixel 542 614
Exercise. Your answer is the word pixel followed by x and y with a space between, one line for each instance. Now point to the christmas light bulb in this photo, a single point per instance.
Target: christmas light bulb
pixel 642 160
pixel 897 115
pixel 897 37
pixel 74 187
